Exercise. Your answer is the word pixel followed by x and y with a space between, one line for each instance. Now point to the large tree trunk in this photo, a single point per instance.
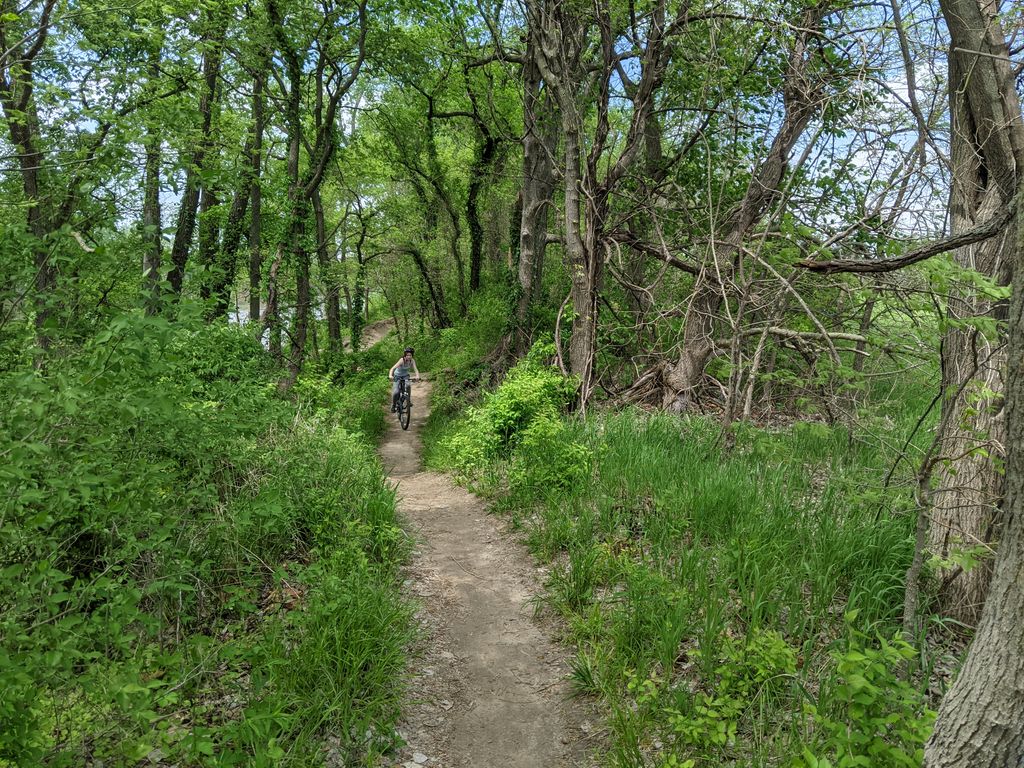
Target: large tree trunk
pixel 540 142
pixel 583 290
pixel 980 720
pixel 988 162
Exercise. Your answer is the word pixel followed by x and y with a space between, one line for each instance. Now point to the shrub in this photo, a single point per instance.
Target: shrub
pixel 154 483
pixel 547 456
pixel 872 716
pixel 526 407
pixel 757 667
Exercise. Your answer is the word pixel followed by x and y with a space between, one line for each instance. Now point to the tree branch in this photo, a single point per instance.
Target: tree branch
pixel 984 231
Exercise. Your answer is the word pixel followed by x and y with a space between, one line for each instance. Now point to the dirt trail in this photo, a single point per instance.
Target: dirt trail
pixel 372 334
pixel 488 685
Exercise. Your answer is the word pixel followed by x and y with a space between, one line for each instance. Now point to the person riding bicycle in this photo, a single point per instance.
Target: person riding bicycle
pixel 399 371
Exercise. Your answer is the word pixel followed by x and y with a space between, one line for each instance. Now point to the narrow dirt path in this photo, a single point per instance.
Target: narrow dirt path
pixel 488 685
pixel 371 334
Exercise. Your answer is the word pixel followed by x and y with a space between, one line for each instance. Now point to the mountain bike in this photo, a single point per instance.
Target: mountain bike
pixel 404 408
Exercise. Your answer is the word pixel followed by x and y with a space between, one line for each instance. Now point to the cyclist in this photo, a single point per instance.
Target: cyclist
pixel 400 370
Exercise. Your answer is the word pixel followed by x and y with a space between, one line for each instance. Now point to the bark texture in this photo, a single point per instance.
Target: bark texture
pixel 540 142
pixel 560 33
pixel 987 156
pixel 981 720
pixel 193 186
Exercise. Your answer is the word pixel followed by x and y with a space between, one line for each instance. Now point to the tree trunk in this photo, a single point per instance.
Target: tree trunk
pixel 436 180
pixel 979 720
pixel 225 266
pixel 478 175
pixel 302 299
pixel 209 240
pixel 434 288
pixel 190 199
pixel 23 128
pixel 540 142
pixel 583 290
pixel 802 100
pixel 152 237
pixel 271 319
pixel 332 302
pixel 867 315
pixel 987 154
pixel 294 234
pixel 151 225
pixel 356 319
pixel 358 299
pixel 256 201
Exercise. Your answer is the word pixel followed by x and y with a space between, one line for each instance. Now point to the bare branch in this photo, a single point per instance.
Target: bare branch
pixel 984 231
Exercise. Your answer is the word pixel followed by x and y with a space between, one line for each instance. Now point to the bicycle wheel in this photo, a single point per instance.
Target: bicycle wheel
pixel 404 411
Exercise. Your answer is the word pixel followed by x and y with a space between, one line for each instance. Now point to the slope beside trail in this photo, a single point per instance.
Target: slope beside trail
pixel 488 685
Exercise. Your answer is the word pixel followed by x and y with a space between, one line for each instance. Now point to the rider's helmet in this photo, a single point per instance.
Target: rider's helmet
pixel 409 351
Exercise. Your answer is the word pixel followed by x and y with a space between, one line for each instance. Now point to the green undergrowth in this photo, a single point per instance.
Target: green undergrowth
pixel 197 569
pixel 730 607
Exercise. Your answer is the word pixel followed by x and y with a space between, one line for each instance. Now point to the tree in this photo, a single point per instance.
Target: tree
pixel 338 41
pixel 214 20
pixel 803 95
pixel 979 721
pixel 988 158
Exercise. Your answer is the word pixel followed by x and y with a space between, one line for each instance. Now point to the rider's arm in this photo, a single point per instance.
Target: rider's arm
pixel 391 373
pixel 415 369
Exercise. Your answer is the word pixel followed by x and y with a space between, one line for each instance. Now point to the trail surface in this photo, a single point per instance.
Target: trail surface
pixel 488 685
pixel 373 333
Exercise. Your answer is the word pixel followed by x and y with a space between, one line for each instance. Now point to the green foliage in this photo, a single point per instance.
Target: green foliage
pixel 703 587
pixel 757 667
pixel 516 422
pixel 872 716
pixel 547 456
pixel 157 493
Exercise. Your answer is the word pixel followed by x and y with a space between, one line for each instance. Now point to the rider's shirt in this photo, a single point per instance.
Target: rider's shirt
pixel 403 370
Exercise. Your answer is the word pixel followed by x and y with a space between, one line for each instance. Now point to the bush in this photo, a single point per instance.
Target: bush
pixel 872 716
pixel 157 491
pixel 746 670
pixel 547 457
pixel 526 407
